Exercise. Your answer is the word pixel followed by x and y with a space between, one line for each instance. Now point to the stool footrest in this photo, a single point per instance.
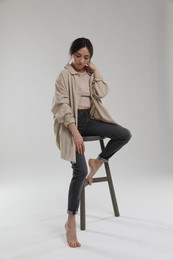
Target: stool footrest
pixel 98 179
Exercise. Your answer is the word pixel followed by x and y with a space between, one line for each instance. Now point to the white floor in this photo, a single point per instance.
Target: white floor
pixel 33 213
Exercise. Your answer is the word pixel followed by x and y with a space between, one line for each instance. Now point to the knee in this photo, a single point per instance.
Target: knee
pixel 127 135
pixel 80 171
pixel 83 173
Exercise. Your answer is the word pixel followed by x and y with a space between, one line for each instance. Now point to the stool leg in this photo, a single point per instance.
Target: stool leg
pixel 112 191
pixel 111 187
pixel 82 210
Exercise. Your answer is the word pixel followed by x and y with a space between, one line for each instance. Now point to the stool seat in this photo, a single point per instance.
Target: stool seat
pixel 93 138
pixel 107 178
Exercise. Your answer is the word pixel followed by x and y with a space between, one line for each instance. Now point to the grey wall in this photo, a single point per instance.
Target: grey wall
pixel 133 42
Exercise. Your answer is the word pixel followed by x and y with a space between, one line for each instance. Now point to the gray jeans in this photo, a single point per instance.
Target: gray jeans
pixel 118 135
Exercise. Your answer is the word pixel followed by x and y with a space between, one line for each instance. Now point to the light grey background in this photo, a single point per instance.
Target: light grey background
pixel 133 42
pixel 133 49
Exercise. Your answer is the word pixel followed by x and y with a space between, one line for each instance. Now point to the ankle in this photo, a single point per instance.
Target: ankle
pixel 71 221
pixel 99 161
pixel 102 159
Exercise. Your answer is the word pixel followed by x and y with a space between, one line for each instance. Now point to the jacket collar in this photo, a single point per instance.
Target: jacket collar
pixel 72 70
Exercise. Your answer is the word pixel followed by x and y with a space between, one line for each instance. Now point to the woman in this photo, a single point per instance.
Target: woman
pixel 78 112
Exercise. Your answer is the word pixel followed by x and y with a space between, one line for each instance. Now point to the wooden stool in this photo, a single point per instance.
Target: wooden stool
pixel 107 178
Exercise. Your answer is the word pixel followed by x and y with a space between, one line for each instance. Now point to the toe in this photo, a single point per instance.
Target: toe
pixel 78 244
pixel 89 179
pixel 72 244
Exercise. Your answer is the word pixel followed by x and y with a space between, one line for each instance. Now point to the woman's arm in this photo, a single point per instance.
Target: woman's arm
pixel 99 87
pixel 63 112
pixel 60 107
pixel 78 140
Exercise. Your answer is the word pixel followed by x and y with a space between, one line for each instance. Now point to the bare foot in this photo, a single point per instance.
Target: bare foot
pixel 71 235
pixel 94 165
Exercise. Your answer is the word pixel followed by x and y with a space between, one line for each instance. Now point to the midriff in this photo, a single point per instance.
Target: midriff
pixel 82 107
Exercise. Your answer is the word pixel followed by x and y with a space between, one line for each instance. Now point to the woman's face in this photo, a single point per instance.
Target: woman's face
pixel 81 59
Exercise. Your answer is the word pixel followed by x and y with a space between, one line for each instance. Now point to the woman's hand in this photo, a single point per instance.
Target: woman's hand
pixel 78 140
pixel 93 69
pixel 91 66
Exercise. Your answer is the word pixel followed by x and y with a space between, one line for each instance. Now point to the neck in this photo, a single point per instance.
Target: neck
pixel 82 70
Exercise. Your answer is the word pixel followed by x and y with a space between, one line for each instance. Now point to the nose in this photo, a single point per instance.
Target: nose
pixel 81 60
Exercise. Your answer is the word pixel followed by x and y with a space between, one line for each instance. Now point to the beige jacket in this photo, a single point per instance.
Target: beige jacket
pixel 65 106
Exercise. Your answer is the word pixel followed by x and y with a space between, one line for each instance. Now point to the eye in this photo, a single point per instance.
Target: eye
pixel 78 55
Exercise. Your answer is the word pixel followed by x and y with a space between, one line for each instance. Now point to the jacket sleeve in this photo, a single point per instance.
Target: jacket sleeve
pixel 99 88
pixel 61 105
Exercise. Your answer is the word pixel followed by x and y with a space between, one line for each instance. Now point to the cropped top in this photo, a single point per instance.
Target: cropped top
pixel 85 98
